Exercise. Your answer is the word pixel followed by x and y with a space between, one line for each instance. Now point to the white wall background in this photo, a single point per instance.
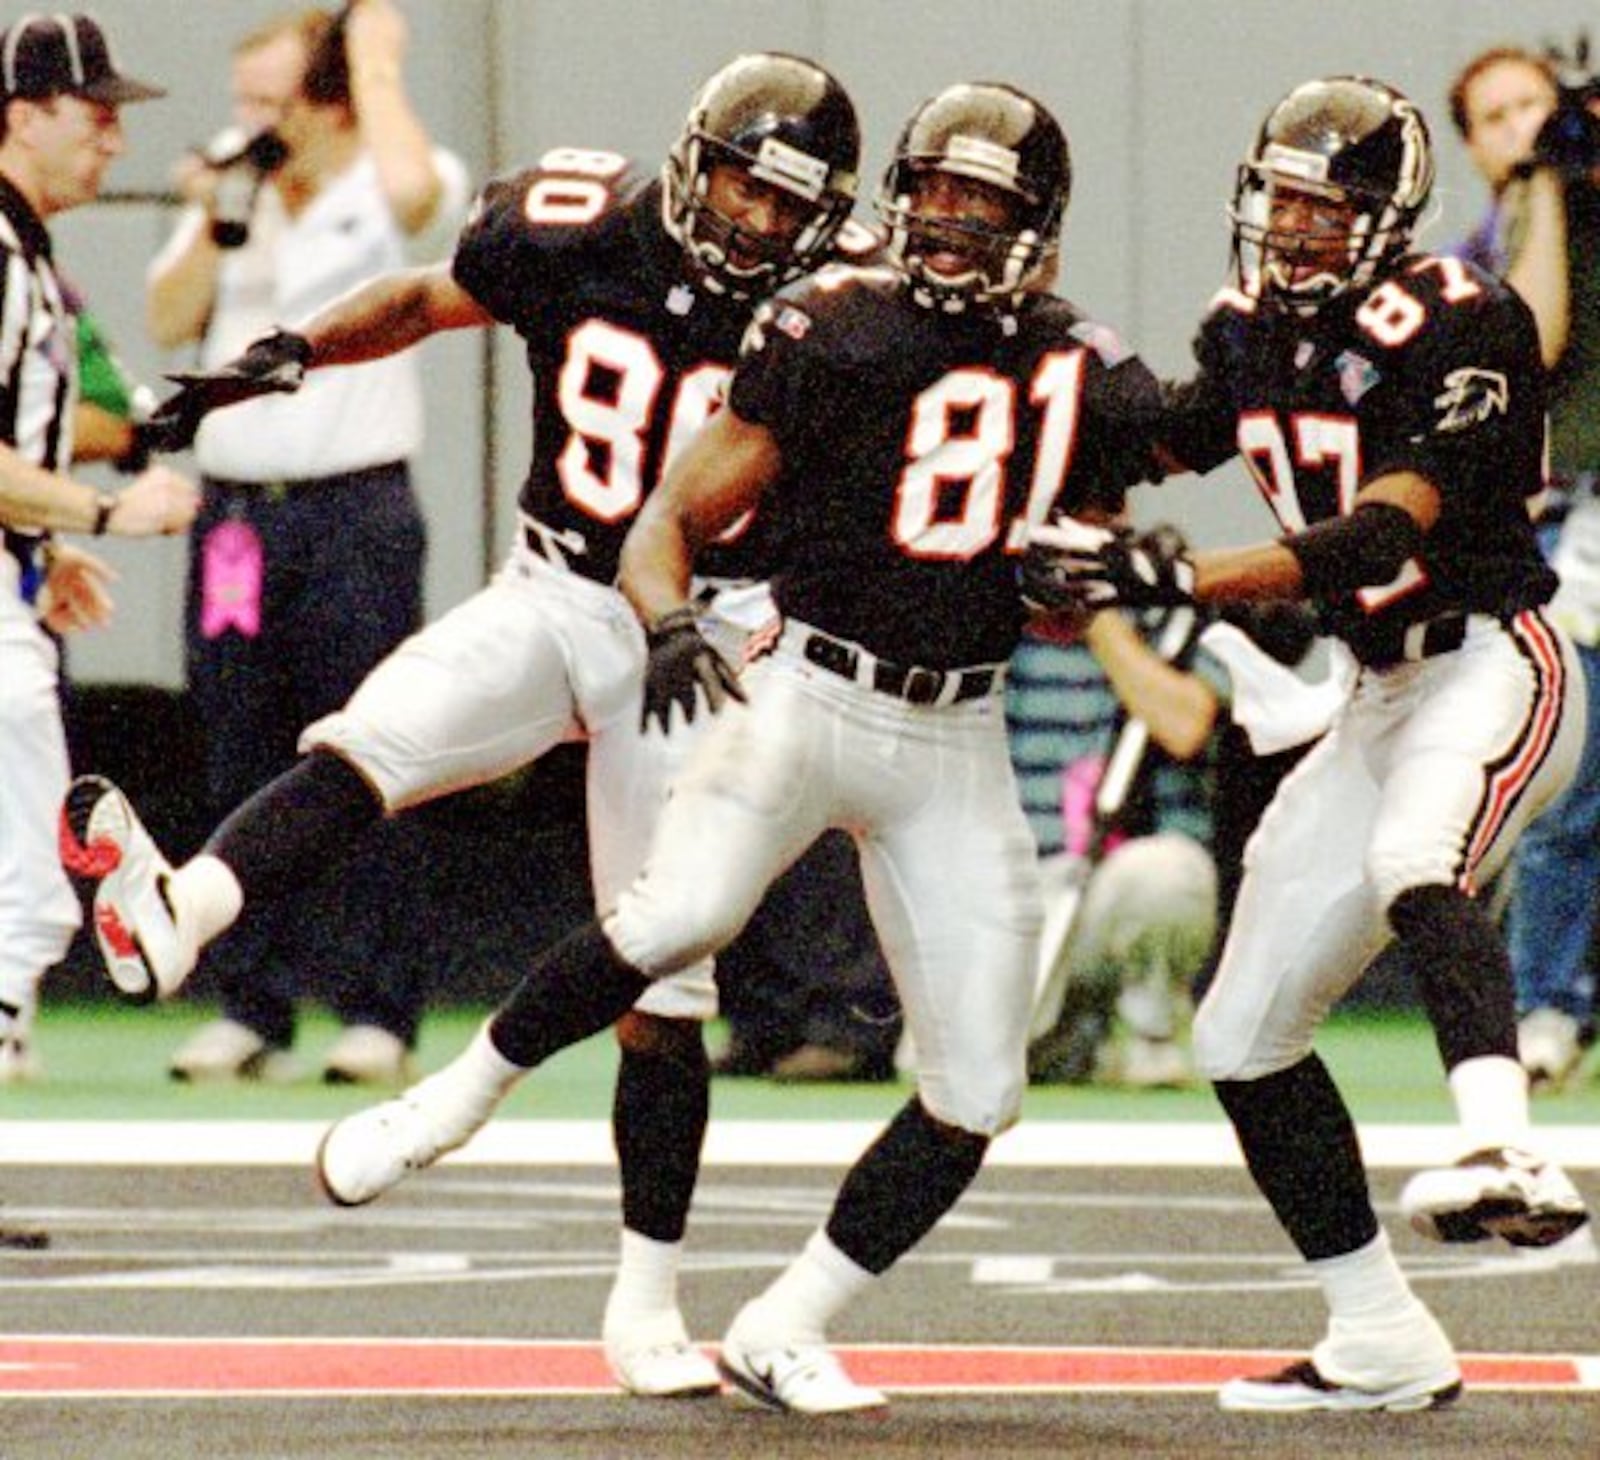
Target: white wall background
pixel 1159 98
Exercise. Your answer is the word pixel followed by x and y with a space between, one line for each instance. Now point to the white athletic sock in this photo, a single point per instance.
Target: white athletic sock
pixel 1379 1332
pixel 1366 1283
pixel 207 896
pixel 647 1280
pixel 481 1065
pixel 473 1083
pixel 805 1297
pixel 1491 1095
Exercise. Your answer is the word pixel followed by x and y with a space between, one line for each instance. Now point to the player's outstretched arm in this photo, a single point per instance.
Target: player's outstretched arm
pixel 381 317
pixel 1077 566
pixel 390 313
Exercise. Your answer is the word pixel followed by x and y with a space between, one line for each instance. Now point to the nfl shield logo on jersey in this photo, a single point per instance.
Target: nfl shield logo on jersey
pixel 793 322
pixel 1357 375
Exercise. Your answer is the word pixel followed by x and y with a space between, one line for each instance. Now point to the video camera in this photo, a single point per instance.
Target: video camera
pixel 242 163
pixel 1569 141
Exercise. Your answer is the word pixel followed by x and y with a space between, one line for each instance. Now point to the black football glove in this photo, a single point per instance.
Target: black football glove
pixel 682 666
pixel 1078 566
pixel 274 365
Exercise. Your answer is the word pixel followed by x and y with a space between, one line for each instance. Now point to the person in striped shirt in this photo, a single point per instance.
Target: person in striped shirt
pixel 60 128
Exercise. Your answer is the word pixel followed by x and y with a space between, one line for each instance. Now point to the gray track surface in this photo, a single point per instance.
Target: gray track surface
pixel 1165 1258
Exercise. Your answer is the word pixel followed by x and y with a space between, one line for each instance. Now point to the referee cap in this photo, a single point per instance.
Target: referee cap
pixel 54 55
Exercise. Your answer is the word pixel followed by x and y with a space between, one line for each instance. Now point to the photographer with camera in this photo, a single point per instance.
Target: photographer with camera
pixel 1531 124
pixel 306 560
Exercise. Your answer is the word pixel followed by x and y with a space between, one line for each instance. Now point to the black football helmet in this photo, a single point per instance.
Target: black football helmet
pixel 999 136
pixel 786 122
pixel 1347 140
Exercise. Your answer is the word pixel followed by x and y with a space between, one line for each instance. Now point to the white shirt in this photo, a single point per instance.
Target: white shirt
pixel 1576 606
pixel 341 419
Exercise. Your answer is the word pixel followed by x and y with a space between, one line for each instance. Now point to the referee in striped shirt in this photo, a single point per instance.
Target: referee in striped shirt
pixel 60 90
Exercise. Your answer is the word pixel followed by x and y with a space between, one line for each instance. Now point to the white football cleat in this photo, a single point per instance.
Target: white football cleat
pixel 1500 1192
pixel 365 1154
pixel 1300 1387
pixel 136 928
pixel 800 1378
pixel 1399 1363
pixel 654 1359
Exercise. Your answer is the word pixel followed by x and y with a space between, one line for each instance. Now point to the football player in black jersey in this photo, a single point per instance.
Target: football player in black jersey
pixel 631 294
pixel 1390 405
pixel 902 425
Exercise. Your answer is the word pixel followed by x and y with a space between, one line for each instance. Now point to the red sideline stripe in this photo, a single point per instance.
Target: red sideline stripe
pixel 84 1366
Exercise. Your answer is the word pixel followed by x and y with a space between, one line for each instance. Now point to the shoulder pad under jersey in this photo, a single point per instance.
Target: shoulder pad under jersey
pixel 528 229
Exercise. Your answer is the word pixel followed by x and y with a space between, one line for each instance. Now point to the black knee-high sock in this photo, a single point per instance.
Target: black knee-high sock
pixel 658 1120
pixel 296 827
pixel 908 1178
pixel 1462 969
pixel 575 988
pixel 1301 1146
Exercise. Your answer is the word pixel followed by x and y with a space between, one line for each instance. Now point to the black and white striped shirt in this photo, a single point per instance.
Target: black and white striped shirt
pixel 38 361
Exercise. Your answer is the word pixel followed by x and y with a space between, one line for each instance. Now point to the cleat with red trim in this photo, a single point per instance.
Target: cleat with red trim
pixel 142 941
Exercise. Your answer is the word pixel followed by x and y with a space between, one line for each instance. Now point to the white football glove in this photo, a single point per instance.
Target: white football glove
pixel 1076 565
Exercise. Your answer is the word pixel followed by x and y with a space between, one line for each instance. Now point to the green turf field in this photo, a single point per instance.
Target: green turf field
pixel 104 1060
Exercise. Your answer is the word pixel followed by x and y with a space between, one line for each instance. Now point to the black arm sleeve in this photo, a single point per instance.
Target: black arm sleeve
pixel 1367 548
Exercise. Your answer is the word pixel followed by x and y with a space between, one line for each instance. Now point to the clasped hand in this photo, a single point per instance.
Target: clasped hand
pixel 1081 567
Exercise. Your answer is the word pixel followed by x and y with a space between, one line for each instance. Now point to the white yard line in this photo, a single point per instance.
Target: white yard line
pixel 1038 1143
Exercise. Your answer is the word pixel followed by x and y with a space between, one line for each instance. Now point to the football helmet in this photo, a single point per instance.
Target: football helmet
pixel 788 123
pixel 999 136
pixel 1362 151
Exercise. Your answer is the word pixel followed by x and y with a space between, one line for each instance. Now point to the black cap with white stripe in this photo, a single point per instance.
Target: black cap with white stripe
pixel 56 55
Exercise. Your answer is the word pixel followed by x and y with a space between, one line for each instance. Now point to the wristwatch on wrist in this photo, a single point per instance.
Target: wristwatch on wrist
pixel 104 505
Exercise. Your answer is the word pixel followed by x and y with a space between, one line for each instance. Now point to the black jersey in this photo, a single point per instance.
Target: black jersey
pixel 1433 369
pixel 629 355
pixel 916 446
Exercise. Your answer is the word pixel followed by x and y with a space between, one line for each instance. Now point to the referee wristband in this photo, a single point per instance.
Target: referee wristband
pixel 104 505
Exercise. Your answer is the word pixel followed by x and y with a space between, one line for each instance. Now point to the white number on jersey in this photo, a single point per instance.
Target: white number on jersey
pixel 951 496
pixel 602 467
pixel 578 190
pixel 1330 445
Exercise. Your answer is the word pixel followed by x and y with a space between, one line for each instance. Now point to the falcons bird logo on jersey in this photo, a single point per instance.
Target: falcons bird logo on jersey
pixel 1471 396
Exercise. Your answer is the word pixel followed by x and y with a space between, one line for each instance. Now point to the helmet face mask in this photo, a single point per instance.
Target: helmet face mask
pixel 790 127
pixel 743 257
pixel 968 240
pixel 1330 194
pixel 1305 246
pixel 1008 158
